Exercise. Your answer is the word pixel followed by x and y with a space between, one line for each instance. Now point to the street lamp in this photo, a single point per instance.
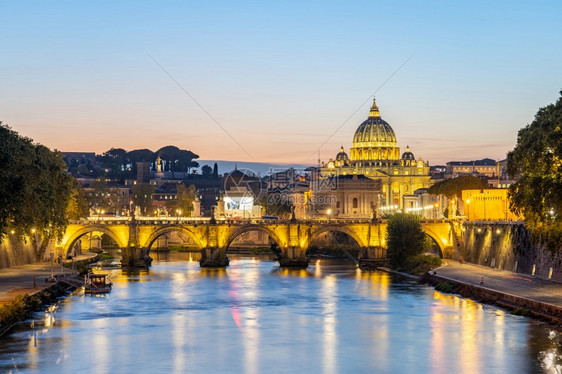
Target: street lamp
pixel 329 213
pixel 178 213
pixel 468 208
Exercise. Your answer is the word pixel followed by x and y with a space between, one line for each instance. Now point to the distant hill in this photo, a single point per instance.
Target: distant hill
pixel 260 168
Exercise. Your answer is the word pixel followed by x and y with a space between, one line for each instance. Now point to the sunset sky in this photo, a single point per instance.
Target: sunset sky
pixel 279 77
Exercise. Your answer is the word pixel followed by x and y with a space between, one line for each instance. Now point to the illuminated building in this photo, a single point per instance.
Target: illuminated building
pixel 344 196
pixel 484 168
pixel 487 204
pixel 375 154
pixel 240 195
pixel 429 206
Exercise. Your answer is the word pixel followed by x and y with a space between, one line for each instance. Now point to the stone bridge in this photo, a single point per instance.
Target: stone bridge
pixel 136 236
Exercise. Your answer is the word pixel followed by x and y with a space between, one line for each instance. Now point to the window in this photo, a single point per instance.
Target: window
pixel 338 205
pixel 355 202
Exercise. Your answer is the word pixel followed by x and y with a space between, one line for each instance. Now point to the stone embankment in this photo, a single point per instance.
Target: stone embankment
pixel 15 251
pixel 23 305
pixel 26 288
pixel 510 300
pixel 507 245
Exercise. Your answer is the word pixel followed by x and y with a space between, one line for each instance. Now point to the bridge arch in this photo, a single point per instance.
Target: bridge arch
pixel 346 230
pixel 164 230
pixel 89 229
pixel 246 228
pixel 436 239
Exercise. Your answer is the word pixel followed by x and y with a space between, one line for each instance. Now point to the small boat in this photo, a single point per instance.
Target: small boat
pixel 96 283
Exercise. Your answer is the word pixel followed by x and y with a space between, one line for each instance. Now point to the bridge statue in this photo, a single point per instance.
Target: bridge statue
pixel 136 236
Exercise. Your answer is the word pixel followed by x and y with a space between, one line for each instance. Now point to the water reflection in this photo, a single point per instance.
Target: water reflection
pixel 329 290
pixel 254 317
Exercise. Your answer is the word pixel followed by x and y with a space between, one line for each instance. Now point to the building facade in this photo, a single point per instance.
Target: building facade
pixel 488 204
pixel 481 168
pixel 375 154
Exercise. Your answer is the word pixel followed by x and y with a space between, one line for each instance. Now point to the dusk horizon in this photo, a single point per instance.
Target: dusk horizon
pixel 296 186
pixel 275 83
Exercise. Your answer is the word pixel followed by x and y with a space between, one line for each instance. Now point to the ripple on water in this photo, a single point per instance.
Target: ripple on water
pixel 255 317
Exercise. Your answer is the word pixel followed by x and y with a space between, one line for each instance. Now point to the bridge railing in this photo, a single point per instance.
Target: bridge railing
pixel 174 219
pixel 101 220
pixel 487 222
pixel 238 221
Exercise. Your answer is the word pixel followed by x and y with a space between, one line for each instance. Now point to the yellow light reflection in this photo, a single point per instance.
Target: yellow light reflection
pixel 317 269
pixel 470 315
pixel 329 293
pixel 250 280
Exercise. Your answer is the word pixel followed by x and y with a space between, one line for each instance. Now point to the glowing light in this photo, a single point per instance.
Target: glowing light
pixel 498 231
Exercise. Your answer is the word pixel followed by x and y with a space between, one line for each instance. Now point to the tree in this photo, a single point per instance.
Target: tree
pixel 404 239
pixel 206 171
pixel 142 196
pixel 13 151
pixel 185 161
pixel 537 161
pixel 454 187
pixel 186 196
pixel 138 155
pixel 78 206
pixel 177 159
pixel 169 154
pixel 34 187
pixel 276 205
pixel 114 161
pixel 215 171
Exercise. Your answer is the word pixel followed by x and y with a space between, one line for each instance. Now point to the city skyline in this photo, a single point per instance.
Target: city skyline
pixel 278 80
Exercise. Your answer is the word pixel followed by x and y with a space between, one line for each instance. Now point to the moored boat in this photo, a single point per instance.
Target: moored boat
pixel 96 283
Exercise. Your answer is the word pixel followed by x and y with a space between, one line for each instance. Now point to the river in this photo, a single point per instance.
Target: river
pixel 254 317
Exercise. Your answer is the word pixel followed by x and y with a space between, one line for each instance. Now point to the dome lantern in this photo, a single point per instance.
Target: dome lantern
pixel 374 112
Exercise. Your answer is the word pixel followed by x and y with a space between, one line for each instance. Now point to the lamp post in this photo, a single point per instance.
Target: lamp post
pixel 329 213
pixel 468 208
pixel 178 212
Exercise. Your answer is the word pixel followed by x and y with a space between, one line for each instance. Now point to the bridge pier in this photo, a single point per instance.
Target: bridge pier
pixel 135 257
pixel 294 257
pixel 213 257
pixel 372 257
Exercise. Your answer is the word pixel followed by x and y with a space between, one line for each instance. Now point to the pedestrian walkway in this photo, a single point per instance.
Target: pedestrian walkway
pixel 516 284
pixel 30 279
pixel 23 279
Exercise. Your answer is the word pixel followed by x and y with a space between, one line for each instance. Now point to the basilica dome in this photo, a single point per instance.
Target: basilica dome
pixel 342 156
pixel 374 139
pixel 374 130
pixel 408 155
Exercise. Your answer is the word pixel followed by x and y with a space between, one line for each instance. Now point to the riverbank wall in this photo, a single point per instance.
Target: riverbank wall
pixel 22 251
pixel 507 246
pixel 551 313
pixel 22 306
